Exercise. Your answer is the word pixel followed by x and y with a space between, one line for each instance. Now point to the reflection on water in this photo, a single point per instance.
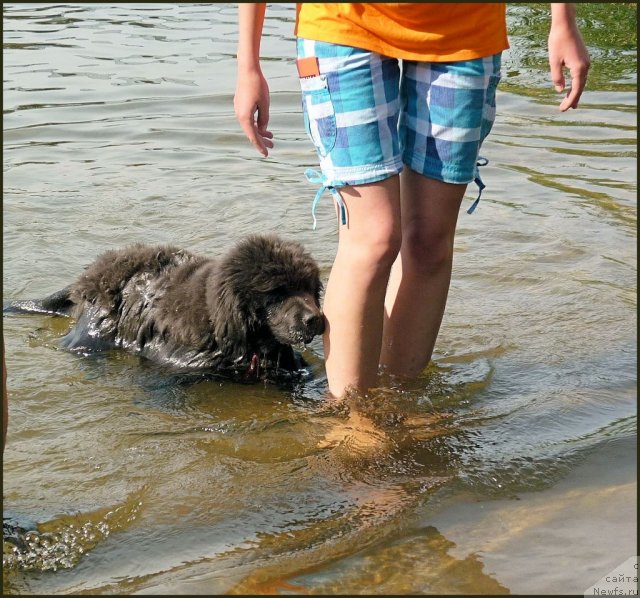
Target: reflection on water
pixel 609 32
pixel 119 478
pixel 389 571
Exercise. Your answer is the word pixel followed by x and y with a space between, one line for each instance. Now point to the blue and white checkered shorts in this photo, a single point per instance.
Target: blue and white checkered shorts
pixel 369 114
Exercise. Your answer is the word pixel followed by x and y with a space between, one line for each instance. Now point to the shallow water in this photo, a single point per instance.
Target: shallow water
pixel 493 472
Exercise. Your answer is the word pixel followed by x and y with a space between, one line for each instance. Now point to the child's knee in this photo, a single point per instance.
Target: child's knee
pixel 376 248
pixel 426 251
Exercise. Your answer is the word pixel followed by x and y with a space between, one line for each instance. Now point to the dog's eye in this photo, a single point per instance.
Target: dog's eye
pixel 279 292
pixel 275 297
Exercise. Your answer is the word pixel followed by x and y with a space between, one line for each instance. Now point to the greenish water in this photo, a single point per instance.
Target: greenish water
pixel 508 466
pixel 609 31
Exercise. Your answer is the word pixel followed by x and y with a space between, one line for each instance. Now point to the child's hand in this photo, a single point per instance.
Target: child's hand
pixel 566 49
pixel 252 95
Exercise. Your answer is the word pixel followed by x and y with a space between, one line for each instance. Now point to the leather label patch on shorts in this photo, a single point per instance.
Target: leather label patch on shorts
pixel 308 67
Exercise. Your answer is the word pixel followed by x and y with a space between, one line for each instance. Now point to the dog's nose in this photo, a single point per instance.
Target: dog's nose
pixel 314 323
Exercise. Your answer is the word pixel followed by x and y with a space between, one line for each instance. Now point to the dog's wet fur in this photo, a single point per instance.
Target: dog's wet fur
pixel 243 313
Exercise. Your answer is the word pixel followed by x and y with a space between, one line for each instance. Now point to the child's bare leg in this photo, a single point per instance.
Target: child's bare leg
pixel 354 297
pixel 420 278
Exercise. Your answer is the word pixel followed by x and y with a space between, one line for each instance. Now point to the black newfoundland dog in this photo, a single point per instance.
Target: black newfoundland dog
pixel 241 314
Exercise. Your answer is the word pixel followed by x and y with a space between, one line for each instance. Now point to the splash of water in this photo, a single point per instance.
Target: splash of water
pixel 62 542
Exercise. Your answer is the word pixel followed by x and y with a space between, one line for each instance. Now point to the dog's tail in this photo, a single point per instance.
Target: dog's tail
pixel 58 303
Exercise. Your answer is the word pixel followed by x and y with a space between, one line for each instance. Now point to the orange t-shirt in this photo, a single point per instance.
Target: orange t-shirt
pixel 424 31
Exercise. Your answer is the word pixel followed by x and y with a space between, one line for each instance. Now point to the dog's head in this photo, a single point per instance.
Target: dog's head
pixel 266 292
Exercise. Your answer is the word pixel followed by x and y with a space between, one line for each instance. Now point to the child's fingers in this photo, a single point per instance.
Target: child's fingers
pixel 251 133
pixel 578 82
pixel 259 138
pixel 557 76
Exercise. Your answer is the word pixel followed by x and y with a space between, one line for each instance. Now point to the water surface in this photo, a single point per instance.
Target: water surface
pixel 494 472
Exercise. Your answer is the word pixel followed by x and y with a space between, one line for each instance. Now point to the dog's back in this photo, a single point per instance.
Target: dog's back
pixel 104 280
pixel 118 300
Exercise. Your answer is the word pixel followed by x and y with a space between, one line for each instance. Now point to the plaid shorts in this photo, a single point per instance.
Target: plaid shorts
pixel 369 114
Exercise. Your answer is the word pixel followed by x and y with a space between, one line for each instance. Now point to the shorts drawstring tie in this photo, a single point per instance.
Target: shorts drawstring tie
pixel 313 176
pixel 478 181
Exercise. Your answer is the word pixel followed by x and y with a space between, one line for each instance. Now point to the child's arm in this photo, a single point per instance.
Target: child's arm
pixel 566 48
pixel 252 91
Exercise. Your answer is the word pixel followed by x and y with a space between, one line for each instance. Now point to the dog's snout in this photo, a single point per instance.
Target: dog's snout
pixel 297 320
pixel 314 323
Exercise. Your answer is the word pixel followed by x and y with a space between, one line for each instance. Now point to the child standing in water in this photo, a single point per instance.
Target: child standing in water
pixel 397 100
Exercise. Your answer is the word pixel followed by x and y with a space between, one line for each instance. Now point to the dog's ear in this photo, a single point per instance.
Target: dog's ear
pixel 230 322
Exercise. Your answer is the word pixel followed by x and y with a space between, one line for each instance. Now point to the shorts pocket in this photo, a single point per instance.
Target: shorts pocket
pixel 319 114
pixel 489 107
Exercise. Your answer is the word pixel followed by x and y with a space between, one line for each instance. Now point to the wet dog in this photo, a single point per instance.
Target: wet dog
pixel 243 313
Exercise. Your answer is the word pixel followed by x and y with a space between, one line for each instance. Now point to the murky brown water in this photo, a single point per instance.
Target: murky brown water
pixel 495 472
